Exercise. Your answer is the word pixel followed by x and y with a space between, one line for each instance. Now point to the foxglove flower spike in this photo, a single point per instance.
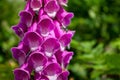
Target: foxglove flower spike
pixel 41 52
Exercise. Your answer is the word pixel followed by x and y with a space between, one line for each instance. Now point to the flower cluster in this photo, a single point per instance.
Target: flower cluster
pixel 42 52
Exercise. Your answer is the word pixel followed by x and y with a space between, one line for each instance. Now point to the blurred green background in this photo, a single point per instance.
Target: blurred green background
pixel 96 43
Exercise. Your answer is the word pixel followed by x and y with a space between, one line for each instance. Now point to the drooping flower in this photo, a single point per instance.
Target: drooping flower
pixel 52 71
pixel 50 46
pixel 18 55
pixel 33 39
pixel 51 8
pixel 45 25
pixel 25 22
pixel 21 74
pixel 42 52
pixel 64 17
pixel 37 60
pixel 36 4
pixel 63 76
pixel 26 18
pixel 63 58
pixel 65 39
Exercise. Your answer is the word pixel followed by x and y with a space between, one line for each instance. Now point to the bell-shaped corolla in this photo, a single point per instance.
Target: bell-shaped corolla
pixel 58 32
pixel 51 8
pixel 20 29
pixel 33 40
pixel 63 76
pixel 37 60
pixel 45 25
pixel 63 58
pixel 50 46
pixel 64 17
pixel 19 55
pixel 23 47
pixel 26 17
pixel 21 74
pixel 36 4
pixel 65 39
pixel 52 71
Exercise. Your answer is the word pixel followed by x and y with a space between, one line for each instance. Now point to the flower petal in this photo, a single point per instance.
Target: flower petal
pixel 50 46
pixel 51 7
pixel 28 7
pixel 63 76
pixel 26 18
pixel 21 74
pixel 23 47
pixel 49 69
pixel 64 17
pixel 58 31
pixel 67 18
pixel 38 60
pixel 18 55
pixel 33 39
pixel 18 31
pixel 66 39
pixel 36 4
pixel 64 58
pixel 45 26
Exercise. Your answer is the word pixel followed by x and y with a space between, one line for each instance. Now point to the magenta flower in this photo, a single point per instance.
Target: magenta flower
pixel 26 18
pixel 33 40
pixel 64 17
pixel 51 8
pixel 18 55
pixel 45 25
pixel 42 52
pixel 37 60
pixel 63 58
pixel 21 74
pixel 20 29
pixel 50 46
pixel 63 76
pixel 50 73
pixel 36 4
pixel 65 39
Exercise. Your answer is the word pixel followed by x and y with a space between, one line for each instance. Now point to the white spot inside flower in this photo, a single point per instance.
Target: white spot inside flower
pixel 33 48
pixel 53 14
pixel 48 54
pixel 39 68
pixel 33 45
pixel 54 77
pixel 62 47
pixel 36 9
pixel 62 65
pixel 45 34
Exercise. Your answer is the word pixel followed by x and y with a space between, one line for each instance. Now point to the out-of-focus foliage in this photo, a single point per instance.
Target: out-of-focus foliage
pixel 96 43
pixel 9 10
pixel 97 40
